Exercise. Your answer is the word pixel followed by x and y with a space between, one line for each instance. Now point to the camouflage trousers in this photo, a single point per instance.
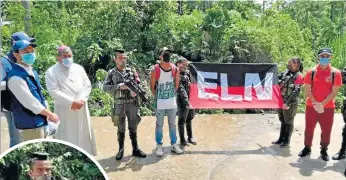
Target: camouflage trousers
pixel 129 111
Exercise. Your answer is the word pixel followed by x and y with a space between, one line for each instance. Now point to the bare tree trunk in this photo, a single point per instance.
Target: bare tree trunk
pixel 332 10
pixel 180 7
pixel 27 18
pixel 342 20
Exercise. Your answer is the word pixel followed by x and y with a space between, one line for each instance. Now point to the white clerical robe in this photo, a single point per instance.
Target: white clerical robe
pixel 67 85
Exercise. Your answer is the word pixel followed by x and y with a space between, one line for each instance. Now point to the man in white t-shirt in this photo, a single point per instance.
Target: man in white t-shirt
pixel 164 81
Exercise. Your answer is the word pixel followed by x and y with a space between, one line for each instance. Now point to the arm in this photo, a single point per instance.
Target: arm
pixel 108 85
pixel 54 90
pixel 21 91
pixel 2 77
pixel 152 82
pixel 337 85
pixel 84 96
pixel 296 91
pixel 177 79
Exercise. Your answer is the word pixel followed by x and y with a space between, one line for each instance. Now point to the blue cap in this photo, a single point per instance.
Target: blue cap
pixel 21 35
pixel 22 44
pixel 325 51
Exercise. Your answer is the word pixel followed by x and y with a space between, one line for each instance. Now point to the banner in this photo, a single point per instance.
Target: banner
pixel 234 86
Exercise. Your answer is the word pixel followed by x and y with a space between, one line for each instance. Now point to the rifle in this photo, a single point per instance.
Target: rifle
pixel 133 86
pixel 281 77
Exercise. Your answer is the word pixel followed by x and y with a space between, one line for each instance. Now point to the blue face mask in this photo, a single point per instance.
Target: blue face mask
pixel 28 58
pixel 67 62
pixel 324 61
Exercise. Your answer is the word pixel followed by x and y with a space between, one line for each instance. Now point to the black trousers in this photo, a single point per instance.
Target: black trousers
pixel 286 118
pixel 185 116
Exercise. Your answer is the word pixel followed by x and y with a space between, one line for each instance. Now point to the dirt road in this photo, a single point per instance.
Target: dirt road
pixel 229 147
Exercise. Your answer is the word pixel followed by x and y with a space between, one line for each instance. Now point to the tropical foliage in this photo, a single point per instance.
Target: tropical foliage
pixel 208 31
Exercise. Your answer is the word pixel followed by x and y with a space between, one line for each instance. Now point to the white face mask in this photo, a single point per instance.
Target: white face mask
pixel 44 177
pixel 67 62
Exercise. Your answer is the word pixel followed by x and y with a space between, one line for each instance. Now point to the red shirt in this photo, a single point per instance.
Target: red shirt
pixel 322 85
pixel 299 80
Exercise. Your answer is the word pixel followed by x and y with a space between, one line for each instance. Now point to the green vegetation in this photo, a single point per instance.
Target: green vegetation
pixel 202 31
pixel 67 161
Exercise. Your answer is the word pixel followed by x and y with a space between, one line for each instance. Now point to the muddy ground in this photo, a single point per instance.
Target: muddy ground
pixel 229 147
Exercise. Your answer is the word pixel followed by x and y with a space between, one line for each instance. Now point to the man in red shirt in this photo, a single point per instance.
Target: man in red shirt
pixel 322 84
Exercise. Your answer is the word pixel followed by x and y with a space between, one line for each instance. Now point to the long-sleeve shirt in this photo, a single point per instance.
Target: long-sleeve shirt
pixel 21 91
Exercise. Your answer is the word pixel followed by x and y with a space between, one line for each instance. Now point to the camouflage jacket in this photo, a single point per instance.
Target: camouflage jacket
pixel 112 81
pixel 289 90
pixel 183 89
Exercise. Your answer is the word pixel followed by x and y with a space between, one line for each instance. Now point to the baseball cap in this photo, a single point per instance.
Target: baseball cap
pixel 21 35
pixel 22 44
pixel 325 51
pixel 42 156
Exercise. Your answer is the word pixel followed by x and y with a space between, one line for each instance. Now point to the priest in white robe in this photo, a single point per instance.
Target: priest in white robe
pixel 70 88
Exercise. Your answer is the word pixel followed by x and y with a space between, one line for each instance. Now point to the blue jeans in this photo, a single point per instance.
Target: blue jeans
pixel 15 137
pixel 160 115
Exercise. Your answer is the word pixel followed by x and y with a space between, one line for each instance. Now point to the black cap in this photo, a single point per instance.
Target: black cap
pixel 120 51
pixel 325 51
pixel 42 156
pixel 165 49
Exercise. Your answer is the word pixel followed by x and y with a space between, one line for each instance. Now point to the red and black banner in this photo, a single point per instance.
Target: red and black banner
pixel 234 86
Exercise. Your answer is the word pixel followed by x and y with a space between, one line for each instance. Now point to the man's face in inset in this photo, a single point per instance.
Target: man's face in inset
pixel 41 170
pixel 121 59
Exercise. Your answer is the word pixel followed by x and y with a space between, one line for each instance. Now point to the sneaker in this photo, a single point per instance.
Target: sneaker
pixel 176 149
pixel 159 150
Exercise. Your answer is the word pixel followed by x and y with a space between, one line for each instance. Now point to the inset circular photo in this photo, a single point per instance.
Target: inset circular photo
pixel 49 159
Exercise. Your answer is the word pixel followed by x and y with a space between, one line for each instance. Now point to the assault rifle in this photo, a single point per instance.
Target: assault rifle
pixel 133 86
pixel 282 77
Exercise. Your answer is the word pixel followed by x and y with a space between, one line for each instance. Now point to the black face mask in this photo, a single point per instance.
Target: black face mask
pixel 166 57
pixel 289 67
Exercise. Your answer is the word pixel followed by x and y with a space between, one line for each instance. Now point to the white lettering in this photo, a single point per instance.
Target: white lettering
pixel 202 85
pixel 224 90
pixel 262 93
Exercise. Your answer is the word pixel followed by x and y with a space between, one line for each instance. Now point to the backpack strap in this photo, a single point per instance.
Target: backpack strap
pixel 158 71
pixel 174 70
pixel 332 74
pixel 313 72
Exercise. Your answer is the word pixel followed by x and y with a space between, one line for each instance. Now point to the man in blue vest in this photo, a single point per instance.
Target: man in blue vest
pixel 28 106
pixel 5 65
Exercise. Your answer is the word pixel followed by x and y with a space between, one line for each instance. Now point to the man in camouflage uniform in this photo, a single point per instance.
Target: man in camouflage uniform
pixel 185 114
pixel 342 153
pixel 125 103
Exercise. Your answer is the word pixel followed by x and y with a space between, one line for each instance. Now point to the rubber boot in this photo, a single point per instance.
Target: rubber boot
pixel 189 133
pixel 324 154
pixel 342 153
pixel 135 150
pixel 181 129
pixel 306 151
pixel 287 136
pixel 281 137
pixel 121 139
